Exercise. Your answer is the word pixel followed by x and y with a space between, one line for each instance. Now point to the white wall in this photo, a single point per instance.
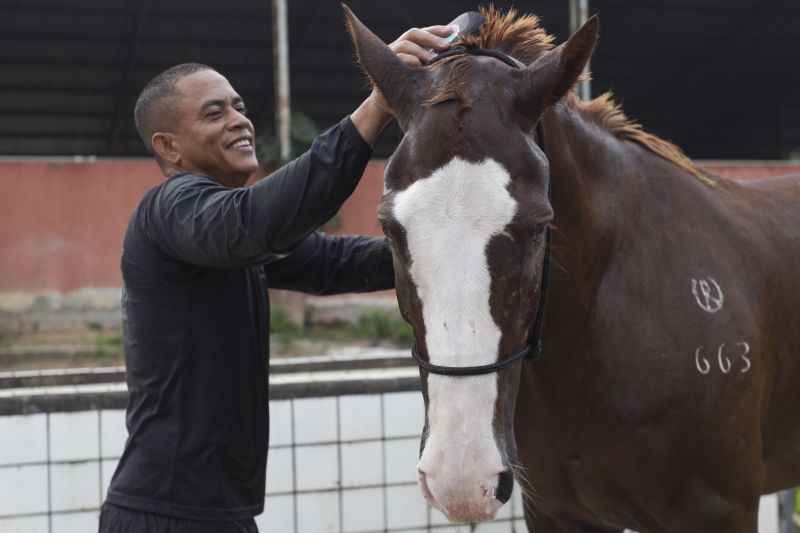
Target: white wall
pixel 336 464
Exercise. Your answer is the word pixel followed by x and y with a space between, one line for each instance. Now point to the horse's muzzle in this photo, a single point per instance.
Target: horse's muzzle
pixel 469 502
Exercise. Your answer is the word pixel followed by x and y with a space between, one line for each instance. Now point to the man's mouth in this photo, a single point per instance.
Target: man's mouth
pixel 241 142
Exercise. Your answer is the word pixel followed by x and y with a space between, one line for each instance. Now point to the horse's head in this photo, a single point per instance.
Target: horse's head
pixel 466 208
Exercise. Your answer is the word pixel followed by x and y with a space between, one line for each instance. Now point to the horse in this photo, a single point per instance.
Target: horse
pixel 594 315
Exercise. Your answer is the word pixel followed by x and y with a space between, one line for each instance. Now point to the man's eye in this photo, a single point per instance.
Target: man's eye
pixel 213 114
pixel 242 110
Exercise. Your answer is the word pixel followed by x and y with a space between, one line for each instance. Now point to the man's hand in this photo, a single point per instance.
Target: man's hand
pixel 415 48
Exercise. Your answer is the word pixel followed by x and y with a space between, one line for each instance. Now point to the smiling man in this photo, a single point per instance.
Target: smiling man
pixel 199 254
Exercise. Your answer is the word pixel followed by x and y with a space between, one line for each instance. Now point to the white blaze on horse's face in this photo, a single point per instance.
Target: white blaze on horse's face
pixel 449 219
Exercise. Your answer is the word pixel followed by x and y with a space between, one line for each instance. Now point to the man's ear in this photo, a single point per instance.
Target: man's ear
pixel 165 147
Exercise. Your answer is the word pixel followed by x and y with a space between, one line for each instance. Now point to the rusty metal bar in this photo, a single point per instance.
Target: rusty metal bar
pixel 578 15
pixel 280 51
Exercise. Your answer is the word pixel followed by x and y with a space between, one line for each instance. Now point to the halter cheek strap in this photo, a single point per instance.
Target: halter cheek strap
pixel 533 348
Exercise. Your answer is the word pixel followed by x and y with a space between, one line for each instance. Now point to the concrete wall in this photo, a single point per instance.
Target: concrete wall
pixel 62 221
pixel 751 170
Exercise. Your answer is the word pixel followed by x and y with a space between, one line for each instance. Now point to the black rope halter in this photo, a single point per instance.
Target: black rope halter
pixel 533 348
pixel 472 51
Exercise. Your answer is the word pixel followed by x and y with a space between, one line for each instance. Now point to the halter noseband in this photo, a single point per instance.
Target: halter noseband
pixel 533 348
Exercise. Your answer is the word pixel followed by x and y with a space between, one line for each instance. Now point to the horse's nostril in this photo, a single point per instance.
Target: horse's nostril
pixel 505 485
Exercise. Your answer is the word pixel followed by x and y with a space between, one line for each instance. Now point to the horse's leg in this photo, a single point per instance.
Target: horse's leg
pixel 694 512
pixel 538 522
pixel 738 522
pixel 711 512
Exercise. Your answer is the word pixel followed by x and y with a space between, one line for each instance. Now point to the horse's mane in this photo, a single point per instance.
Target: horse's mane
pixel 604 111
pixel 523 38
pixel 520 37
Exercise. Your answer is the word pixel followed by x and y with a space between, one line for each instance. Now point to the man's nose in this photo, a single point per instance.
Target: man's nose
pixel 238 120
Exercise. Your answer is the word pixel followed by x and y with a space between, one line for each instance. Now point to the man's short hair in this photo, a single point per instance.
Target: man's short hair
pixel 155 107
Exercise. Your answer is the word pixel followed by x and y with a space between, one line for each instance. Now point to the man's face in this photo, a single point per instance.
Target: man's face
pixel 212 134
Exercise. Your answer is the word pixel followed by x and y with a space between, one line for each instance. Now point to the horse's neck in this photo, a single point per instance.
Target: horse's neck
pixel 599 182
pixel 610 197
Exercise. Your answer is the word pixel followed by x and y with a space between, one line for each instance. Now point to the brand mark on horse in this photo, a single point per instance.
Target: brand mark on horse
pixel 708 294
pixel 723 361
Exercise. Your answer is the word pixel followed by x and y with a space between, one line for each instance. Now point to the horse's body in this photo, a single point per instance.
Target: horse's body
pixel 667 395
pixel 623 422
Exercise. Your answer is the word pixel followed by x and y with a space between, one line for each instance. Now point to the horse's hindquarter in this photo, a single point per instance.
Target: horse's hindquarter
pixel 660 381
pixel 711 294
pixel 775 210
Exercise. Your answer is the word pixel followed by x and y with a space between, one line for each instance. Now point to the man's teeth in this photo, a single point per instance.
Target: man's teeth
pixel 240 143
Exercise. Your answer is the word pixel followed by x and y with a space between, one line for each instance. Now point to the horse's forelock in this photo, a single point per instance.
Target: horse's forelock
pixel 518 36
pixel 521 37
pixel 453 85
pixel 524 39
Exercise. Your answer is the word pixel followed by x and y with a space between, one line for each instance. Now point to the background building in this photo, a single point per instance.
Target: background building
pixel 718 77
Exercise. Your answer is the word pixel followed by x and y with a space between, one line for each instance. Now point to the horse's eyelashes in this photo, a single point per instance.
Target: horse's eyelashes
pixel 538 238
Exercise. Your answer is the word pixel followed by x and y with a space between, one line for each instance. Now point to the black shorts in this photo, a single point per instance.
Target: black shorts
pixel 115 519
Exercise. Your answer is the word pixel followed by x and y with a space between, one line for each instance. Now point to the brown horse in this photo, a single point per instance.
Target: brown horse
pixel 667 394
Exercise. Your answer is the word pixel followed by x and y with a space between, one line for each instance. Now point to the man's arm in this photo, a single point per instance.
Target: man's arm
pixel 323 265
pixel 199 222
pixel 195 220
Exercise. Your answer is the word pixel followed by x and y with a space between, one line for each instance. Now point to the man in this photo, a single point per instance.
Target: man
pixel 198 256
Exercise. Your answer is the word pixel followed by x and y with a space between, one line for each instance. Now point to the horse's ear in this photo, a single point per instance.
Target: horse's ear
pixel 398 82
pixel 547 79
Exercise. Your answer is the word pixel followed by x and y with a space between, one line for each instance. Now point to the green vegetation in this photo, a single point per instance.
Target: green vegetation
pixel 108 346
pixel 797 508
pixel 375 326
pixel 103 343
pixel 303 131
pixel 281 325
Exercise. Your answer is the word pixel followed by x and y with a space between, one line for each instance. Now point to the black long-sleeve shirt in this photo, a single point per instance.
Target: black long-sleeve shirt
pixel 197 260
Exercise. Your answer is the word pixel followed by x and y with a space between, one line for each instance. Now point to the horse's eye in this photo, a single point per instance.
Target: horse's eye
pixel 538 236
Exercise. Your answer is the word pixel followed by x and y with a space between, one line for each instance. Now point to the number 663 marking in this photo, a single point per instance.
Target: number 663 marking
pixel 723 361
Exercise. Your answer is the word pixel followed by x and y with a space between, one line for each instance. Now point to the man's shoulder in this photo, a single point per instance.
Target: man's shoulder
pixel 169 189
pixel 146 227
pixel 181 182
pixel 155 201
